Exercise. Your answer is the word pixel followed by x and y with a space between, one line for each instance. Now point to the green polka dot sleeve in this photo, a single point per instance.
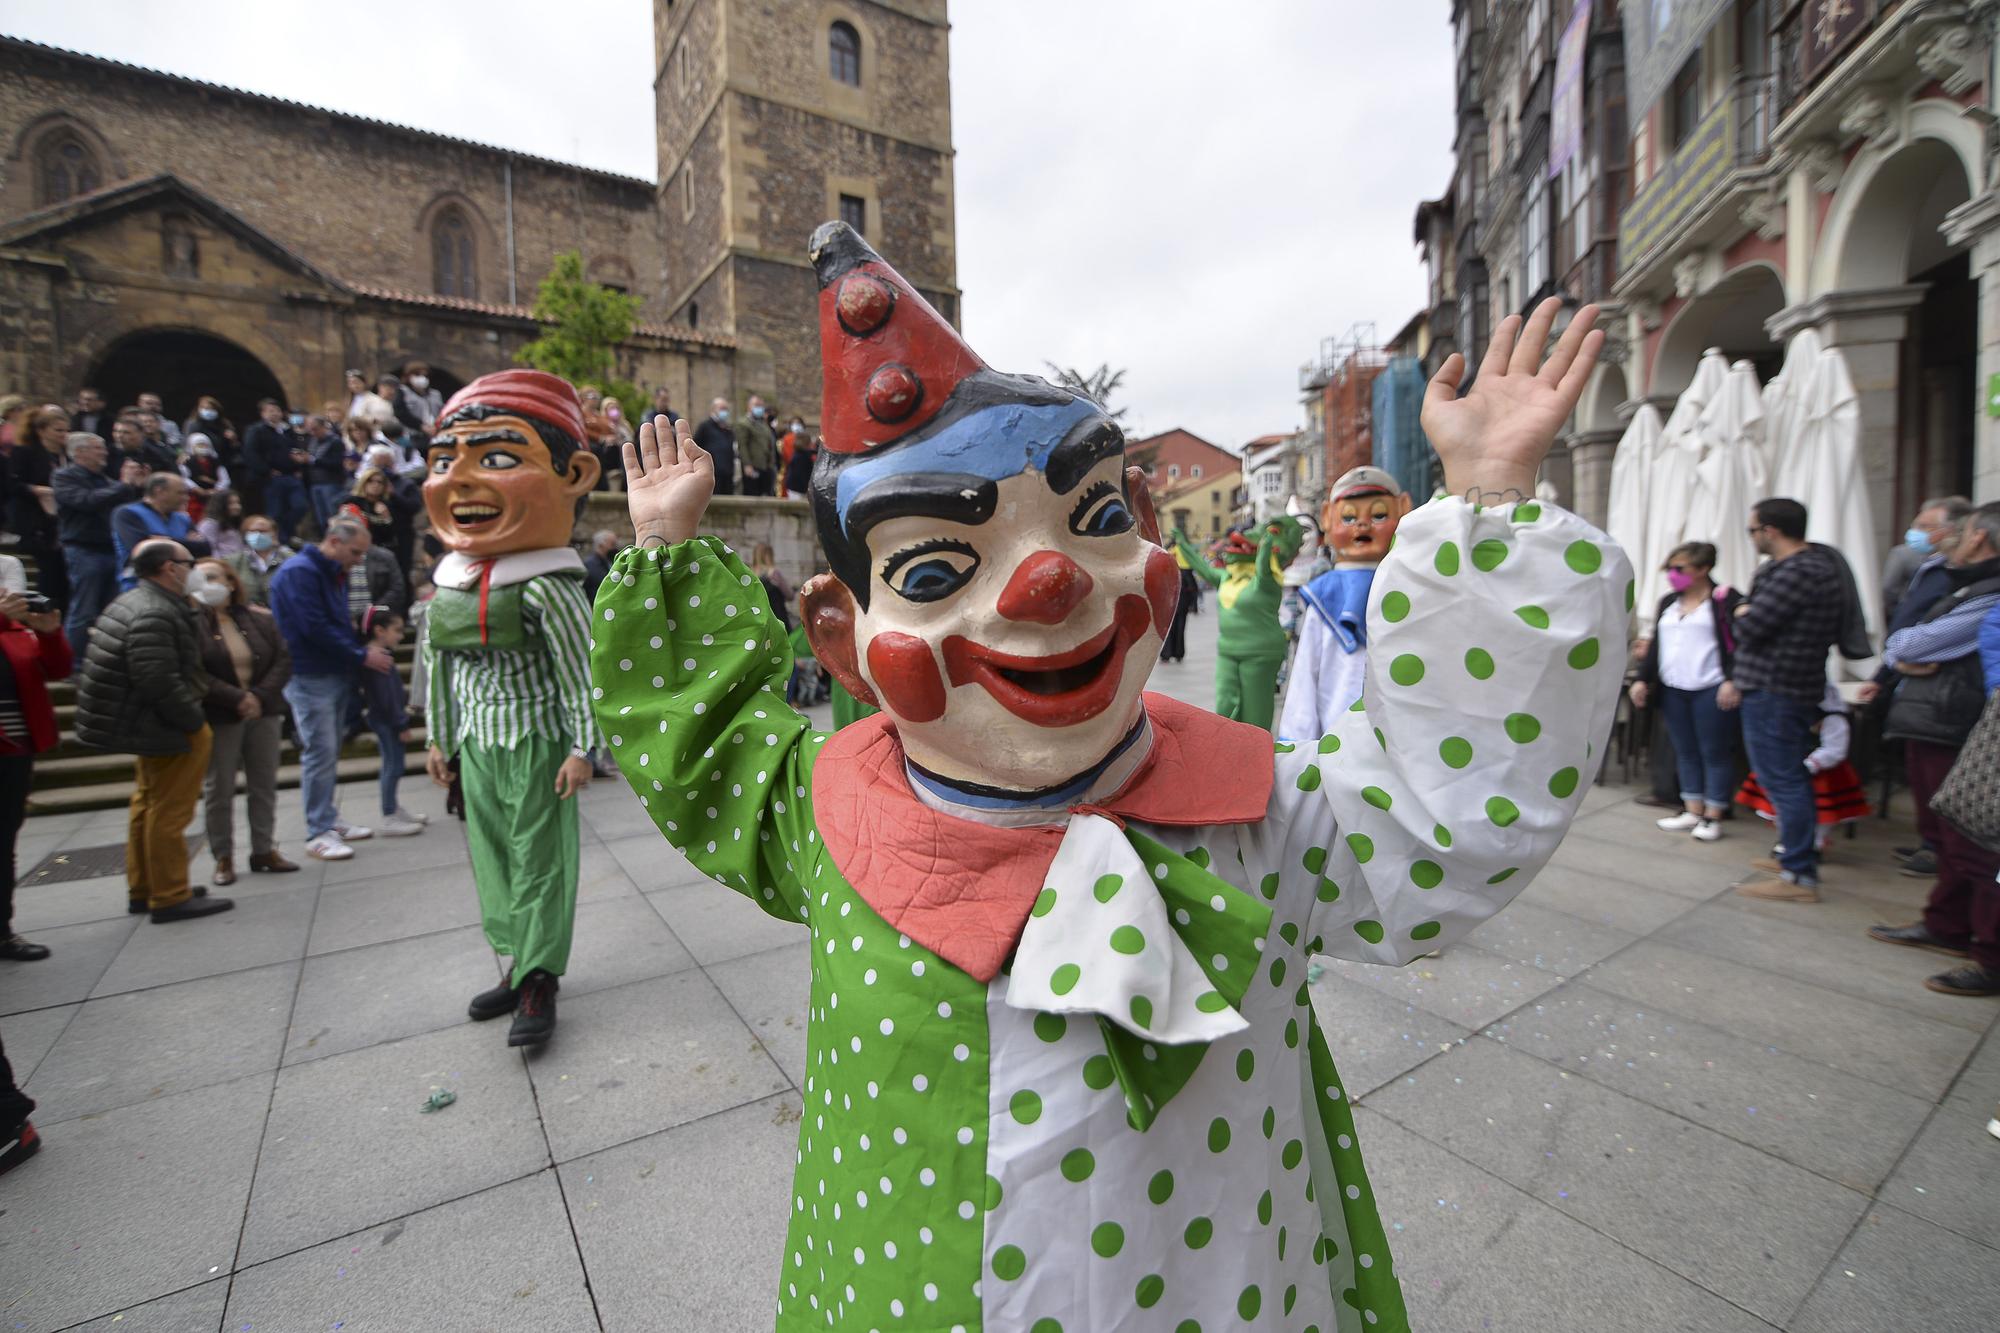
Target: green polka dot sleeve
pixel 1496 647
pixel 687 669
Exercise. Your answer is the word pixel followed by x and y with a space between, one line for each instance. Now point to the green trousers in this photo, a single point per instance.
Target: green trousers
pixel 524 851
pixel 1246 688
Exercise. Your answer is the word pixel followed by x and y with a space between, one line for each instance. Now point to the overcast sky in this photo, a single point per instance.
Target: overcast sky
pixel 1194 192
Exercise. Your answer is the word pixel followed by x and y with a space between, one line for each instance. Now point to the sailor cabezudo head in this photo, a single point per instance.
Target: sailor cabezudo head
pixel 997 584
pixel 507 466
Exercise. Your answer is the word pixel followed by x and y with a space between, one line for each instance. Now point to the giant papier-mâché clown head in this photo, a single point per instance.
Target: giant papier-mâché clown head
pixel 997 585
pixel 507 465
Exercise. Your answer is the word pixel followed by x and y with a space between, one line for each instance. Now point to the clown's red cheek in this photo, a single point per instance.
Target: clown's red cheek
pixel 1163 589
pixel 906 673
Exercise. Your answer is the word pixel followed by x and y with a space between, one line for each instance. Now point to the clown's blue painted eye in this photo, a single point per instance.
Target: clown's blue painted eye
pixel 930 571
pixel 1101 512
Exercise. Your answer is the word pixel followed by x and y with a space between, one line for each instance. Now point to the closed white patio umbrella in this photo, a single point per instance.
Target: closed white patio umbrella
pixel 1834 489
pixel 1631 472
pixel 1785 415
pixel 1731 475
pixel 1671 482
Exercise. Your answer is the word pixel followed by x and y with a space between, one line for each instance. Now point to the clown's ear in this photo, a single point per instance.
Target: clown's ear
pixel 1142 504
pixel 580 477
pixel 828 608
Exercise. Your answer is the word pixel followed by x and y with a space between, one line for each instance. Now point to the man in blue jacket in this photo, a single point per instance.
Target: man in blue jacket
pixel 309 599
pixel 160 512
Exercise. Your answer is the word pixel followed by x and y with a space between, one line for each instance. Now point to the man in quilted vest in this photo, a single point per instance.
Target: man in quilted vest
pixel 507 649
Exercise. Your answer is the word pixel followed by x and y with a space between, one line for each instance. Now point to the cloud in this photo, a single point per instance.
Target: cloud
pixel 1197 194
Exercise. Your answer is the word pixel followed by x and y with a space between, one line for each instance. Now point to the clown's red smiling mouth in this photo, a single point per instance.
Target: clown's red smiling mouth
pixel 1060 690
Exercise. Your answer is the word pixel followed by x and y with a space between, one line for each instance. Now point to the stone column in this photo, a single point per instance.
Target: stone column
pixel 1590 456
pixel 1976 224
pixel 1556 470
pixel 1868 327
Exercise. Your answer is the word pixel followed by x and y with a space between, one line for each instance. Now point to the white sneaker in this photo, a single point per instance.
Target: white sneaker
pixel 353 832
pixel 1680 823
pixel 1708 830
pixel 329 847
pixel 409 818
pixel 395 826
pixel 1993 1125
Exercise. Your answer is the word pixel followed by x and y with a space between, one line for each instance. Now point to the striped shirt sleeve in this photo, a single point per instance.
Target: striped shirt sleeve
pixel 440 715
pixel 565 614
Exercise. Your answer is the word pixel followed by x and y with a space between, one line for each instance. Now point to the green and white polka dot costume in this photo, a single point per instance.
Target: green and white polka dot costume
pixel 1136 1124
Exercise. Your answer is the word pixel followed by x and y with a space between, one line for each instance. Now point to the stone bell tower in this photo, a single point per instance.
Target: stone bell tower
pixel 774 118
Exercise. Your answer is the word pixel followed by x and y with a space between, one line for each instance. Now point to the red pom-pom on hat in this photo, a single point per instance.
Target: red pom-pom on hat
pixel 528 393
pixel 888 359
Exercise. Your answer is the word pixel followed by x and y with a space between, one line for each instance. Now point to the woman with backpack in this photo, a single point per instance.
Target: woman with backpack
pixel 1686 662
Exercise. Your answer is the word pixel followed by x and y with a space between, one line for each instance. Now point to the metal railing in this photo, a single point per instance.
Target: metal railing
pixel 1732 135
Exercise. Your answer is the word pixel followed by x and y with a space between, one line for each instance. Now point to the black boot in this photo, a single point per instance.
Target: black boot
pixel 535 1016
pixel 492 1003
pixel 192 908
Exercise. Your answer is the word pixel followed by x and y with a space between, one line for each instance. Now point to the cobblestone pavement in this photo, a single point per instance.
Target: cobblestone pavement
pixel 1631 1101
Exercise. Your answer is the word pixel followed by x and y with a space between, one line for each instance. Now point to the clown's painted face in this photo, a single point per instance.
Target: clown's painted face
pixel 493 489
pixel 1360 527
pixel 1010 628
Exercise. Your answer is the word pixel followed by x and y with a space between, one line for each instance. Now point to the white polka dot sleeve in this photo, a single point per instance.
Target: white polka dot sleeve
pixel 688 668
pixel 1496 648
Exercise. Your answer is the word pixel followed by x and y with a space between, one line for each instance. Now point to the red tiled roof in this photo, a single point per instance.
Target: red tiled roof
pixel 674 332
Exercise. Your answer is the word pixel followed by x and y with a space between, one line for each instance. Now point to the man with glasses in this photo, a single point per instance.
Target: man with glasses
pixel 139 693
pixel 1783 634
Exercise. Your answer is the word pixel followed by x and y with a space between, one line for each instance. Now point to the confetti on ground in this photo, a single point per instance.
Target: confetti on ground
pixel 438 1100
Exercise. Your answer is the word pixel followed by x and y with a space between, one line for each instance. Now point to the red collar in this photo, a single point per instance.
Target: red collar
pixel 962 889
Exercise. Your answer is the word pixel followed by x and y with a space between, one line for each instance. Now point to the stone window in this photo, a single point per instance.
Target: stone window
pixel 453 271
pixel 1195 471
pixel 843 46
pixel 854 212
pixel 681 75
pixel 687 191
pixel 66 168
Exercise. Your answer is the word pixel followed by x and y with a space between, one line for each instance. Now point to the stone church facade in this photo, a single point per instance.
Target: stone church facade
pixel 161 233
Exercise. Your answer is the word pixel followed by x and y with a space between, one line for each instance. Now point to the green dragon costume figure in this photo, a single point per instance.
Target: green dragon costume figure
pixel 1249 587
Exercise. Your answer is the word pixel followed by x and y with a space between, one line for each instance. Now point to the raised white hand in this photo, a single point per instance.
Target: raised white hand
pixel 668 481
pixel 1493 440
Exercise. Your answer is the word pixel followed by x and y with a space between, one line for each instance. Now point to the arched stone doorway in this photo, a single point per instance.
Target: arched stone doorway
pixel 1887 237
pixel 1731 315
pixel 180 365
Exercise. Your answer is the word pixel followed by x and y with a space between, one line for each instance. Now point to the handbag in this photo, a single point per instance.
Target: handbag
pixel 1969 797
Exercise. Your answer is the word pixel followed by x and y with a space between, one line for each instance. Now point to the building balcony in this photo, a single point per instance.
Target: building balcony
pixel 1826 70
pixel 1726 154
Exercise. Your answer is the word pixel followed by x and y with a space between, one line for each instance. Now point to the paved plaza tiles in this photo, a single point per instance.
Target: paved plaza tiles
pixel 1633 1101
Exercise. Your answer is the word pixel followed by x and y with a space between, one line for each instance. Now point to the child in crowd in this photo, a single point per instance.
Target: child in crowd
pixel 1838 796
pixel 386 709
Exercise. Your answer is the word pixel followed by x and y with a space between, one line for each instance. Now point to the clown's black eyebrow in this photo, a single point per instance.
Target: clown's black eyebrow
pixel 481 437
pixel 954 496
pixel 1072 460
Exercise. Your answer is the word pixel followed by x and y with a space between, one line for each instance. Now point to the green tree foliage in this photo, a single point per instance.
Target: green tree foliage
pixel 583 323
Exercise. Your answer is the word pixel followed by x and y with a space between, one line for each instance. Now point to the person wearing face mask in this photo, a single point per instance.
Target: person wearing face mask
pixel 205 473
pixel 140 692
pixel 417 379
pixel 1938 701
pixel 795 459
pixel 247 667
pixel 1929 533
pixel 715 437
pixel 1687 659
pixel 208 420
pixel 261 557
pixel 757 450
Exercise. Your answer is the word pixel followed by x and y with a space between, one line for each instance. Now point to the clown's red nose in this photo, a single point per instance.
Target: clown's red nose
pixel 1045 589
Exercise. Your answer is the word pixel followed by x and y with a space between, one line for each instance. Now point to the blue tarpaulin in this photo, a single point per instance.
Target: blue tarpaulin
pixel 1400 447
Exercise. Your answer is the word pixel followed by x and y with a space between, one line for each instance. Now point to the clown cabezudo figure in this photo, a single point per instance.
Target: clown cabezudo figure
pixel 1359 519
pixel 1064 1072
pixel 506 641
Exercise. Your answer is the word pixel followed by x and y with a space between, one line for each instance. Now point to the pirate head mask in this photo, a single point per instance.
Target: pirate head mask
pixel 997 585
pixel 507 465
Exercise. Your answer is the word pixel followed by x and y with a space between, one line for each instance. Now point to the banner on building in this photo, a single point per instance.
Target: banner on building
pixel 1566 110
pixel 1660 35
